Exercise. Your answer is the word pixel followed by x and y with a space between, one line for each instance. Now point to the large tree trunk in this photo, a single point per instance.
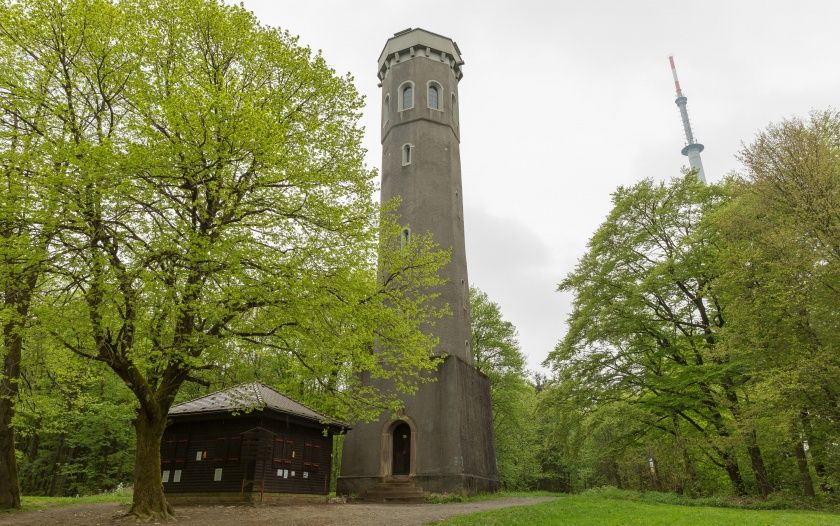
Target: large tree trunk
pixel 149 502
pixel 734 473
pixel 761 478
pixel 816 449
pixel 17 299
pixel 9 486
pixel 804 472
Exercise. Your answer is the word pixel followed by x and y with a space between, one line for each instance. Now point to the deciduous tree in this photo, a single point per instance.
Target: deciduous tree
pixel 216 201
pixel 497 354
pixel 647 317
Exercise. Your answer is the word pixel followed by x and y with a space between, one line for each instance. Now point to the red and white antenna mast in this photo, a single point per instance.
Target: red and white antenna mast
pixel 692 148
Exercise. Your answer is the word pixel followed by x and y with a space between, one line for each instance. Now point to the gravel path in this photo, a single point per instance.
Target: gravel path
pixel 309 515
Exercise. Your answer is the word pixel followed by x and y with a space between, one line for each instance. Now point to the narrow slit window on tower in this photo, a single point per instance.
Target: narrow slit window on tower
pixel 406 154
pixel 405 238
pixel 386 110
pixel 408 97
pixel 434 97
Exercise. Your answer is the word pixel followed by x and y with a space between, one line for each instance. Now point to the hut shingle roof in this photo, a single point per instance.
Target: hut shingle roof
pixel 249 397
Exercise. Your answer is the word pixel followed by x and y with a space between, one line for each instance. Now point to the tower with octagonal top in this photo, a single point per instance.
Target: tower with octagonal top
pixel 443 439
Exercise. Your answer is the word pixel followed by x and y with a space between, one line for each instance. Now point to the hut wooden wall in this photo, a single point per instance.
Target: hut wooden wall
pixel 276 452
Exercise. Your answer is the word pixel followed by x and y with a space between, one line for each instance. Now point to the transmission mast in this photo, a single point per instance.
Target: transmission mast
pixel 692 148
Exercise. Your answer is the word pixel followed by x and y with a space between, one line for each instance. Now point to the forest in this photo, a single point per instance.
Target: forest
pixel 185 206
pixel 701 353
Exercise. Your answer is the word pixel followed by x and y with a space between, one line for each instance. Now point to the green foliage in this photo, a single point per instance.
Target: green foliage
pixel 497 354
pixel 777 501
pixel 74 426
pixel 641 360
pixel 781 274
pixel 214 208
pixel 700 350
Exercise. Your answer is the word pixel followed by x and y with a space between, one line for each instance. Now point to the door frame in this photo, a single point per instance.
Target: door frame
pixel 387 447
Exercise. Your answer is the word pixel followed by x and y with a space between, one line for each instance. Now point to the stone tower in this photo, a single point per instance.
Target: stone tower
pixel 443 441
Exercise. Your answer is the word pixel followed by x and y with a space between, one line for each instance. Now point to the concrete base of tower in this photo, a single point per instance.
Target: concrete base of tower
pixel 443 440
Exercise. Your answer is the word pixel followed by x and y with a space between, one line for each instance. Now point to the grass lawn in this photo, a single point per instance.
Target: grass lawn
pixel 592 510
pixel 39 503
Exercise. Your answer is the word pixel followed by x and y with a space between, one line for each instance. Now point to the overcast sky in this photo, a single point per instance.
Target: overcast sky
pixel 561 102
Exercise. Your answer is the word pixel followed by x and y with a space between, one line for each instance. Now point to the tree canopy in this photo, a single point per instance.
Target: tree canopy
pixel 497 354
pixel 213 203
pixel 701 341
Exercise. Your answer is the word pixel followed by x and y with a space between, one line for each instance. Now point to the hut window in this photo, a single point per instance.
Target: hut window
pixel 234 448
pixel 221 449
pixel 284 452
pixel 174 451
pixel 167 453
pixel 311 456
pixel 228 448
pixel 217 475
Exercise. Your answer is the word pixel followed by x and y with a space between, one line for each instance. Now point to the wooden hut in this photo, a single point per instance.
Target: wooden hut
pixel 248 443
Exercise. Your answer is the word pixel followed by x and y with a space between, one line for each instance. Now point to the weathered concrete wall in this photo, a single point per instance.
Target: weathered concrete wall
pixel 452 438
pixel 430 186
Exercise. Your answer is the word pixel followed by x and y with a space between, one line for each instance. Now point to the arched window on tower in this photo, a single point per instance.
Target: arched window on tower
pixel 406 154
pixel 434 96
pixel 408 97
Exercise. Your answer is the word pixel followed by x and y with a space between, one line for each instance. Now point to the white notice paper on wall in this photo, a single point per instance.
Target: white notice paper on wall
pixel 176 477
pixel 217 475
pixel 165 476
pixel 293 473
pixel 306 474
pixel 198 455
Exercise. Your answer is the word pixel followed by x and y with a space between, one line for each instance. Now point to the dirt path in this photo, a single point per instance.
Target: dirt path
pixel 309 515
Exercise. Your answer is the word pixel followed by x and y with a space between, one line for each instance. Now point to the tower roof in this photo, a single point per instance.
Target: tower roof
pixel 419 40
pixel 248 397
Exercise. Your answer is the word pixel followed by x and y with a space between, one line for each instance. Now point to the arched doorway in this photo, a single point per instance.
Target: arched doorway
pixel 401 449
